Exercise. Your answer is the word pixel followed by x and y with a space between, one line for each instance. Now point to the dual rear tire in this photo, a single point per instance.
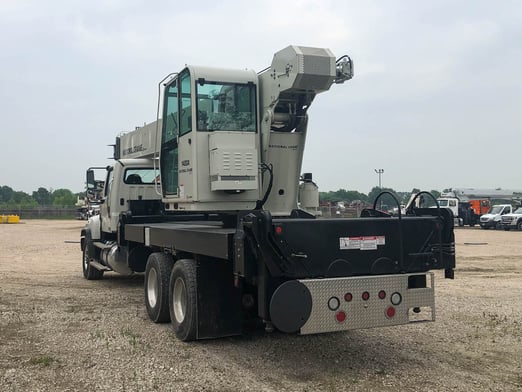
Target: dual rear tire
pixel 171 293
pixel 157 275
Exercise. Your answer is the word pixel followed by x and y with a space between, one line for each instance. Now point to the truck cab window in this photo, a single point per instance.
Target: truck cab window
pixel 108 182
pixel 137 176
pixel 226 106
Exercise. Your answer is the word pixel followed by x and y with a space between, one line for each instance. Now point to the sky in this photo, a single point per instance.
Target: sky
pixel 435 101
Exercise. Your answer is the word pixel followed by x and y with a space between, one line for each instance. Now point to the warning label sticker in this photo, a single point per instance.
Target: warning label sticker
pixel 362 243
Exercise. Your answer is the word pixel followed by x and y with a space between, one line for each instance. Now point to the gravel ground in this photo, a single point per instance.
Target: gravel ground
pixel 59 331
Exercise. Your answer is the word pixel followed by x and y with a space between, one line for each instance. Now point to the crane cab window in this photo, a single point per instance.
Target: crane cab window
pixel 225 106
pixel 185 125
pixel 170 116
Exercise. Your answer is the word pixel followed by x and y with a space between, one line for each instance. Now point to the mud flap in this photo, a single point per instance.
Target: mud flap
pixel 219 301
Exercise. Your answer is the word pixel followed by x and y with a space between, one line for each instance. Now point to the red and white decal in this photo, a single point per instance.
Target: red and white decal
pixel 362 243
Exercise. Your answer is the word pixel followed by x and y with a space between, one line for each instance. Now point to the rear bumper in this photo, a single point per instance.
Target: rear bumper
pixel 340 304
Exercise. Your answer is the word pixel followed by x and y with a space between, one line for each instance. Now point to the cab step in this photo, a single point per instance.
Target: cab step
pixel 100 267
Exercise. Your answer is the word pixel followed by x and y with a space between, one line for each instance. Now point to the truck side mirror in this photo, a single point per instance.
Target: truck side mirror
pixel 91 183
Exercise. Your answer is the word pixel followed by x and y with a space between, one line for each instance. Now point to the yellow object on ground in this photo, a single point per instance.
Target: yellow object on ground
pixel 9 219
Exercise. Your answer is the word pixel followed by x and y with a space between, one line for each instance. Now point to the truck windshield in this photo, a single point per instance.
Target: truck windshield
pixel 137 176
pixel 496 210
pixel 226 106
pixel 443 203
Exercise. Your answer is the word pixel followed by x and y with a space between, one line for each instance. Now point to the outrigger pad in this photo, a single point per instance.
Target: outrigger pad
pixel 290 306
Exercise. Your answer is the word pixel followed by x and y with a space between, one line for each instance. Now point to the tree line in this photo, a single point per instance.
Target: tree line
pixel 343 195
pixel 41 197
pixel 65 198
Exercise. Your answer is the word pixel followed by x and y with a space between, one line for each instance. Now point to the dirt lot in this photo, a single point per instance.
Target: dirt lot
pixel 61 332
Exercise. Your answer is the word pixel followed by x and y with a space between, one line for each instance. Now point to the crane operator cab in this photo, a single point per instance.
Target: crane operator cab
pixel 209 140
pixel 234 140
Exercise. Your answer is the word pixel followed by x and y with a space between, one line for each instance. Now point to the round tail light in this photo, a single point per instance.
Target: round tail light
pixel 340 316
pixel 390 312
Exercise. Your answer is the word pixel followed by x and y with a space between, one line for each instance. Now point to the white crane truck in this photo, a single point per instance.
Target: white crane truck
pixel 204 202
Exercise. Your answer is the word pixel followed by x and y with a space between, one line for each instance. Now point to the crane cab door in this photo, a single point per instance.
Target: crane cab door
pixel 177 121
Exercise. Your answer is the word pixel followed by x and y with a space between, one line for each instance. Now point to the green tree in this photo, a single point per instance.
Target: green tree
pixel 342 195
pixel 22 199
pixel 385 201
pixel 42 196
pixel 6 193
pixel 63 197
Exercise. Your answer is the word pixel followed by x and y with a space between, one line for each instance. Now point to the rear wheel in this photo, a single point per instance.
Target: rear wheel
pixel 157 276
pixel 89 272
pixel 183 299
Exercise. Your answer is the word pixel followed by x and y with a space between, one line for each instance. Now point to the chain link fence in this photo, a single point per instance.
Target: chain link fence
pixel 41 212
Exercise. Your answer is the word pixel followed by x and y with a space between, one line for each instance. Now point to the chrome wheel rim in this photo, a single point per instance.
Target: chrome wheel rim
pixel 179 300
pixel 152 287
pixel 85 260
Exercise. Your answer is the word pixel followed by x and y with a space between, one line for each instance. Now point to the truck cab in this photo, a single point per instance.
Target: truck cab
pixel 512 220
pixel 130 188
pixel 451 203
pixel 493 219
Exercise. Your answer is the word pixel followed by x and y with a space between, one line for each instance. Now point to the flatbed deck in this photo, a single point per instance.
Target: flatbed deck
pixel 208 238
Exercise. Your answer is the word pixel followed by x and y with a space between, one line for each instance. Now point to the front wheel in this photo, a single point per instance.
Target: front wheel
pixel 183 299
pixel 519 225
pixel 89 272
pixel 498 226
pixel 157 276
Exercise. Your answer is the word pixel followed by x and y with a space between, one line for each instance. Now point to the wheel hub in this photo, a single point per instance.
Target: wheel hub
pixel 152 287
pixel 179 300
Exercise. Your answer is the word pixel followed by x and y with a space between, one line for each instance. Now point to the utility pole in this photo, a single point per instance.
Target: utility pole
pixel 379 172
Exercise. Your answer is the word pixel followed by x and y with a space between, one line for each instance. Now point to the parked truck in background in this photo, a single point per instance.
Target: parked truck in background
pixel 493 219
pixel 466 213
pixel 512 221
pixel 203 201
pixel 469 204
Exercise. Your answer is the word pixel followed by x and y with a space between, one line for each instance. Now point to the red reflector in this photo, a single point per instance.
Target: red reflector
pixel 390 312
pixel 340 316
pixel 382 294
pixel 348 297
pixel 279 230
pixel 366 296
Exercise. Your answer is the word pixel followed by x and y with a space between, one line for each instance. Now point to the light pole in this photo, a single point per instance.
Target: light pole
pixel 379 172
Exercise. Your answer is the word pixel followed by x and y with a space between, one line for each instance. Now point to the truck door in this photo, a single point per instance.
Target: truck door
pixel 105 207
pixel 169 139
